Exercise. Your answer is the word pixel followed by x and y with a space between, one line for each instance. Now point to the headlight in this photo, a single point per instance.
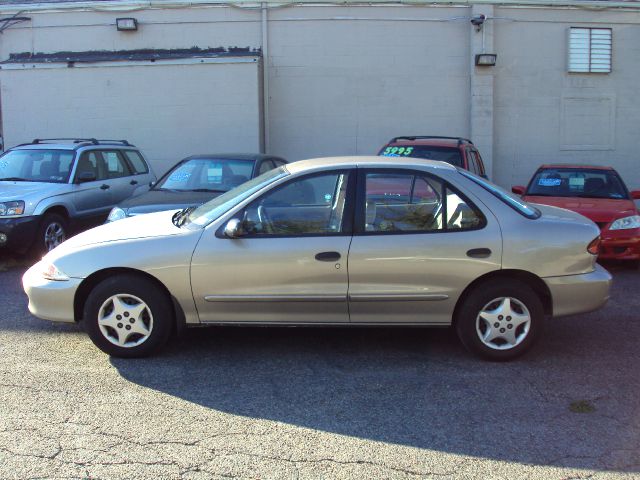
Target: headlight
pixel 11 208
pixel 625 223
pixel 51 272
pixel 116 213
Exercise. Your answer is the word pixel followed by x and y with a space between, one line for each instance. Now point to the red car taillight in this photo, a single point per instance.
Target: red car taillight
pixel 594 246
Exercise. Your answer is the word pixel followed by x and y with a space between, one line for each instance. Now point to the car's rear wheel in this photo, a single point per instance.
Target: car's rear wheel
pixel 500 320
pixel 128 316
pixel 51 233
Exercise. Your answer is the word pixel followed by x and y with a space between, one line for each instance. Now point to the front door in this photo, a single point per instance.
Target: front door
pixel 289 266
pixel 418 243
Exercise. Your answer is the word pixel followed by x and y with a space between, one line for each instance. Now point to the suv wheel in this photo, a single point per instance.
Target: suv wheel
pixel 51 233
pixel 128 316
pixel 500 320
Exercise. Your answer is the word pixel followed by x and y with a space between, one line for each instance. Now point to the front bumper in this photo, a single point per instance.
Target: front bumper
pixel 583 293
pixel 621 246
pixel 48 299
pixel 20 232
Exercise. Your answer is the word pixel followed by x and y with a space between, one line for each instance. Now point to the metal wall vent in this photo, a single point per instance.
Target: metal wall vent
pixel 590 50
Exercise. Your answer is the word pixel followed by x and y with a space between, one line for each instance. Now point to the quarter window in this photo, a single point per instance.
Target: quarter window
pixel 306 206
pixel 407 202
pixel 136 161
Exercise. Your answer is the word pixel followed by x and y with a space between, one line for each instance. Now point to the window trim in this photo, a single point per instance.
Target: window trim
pixel 347 215
pixel 360 204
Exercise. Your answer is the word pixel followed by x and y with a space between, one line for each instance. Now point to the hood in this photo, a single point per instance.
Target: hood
pixel 159 200
pixel 30 191
pixel 563 215
pixel 599 210
pixel 153 225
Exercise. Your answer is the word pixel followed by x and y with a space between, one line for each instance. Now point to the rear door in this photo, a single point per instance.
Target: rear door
pixel 418 242
pixel 120 178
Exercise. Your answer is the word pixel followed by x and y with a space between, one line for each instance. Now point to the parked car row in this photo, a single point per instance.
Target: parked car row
pixel 426 244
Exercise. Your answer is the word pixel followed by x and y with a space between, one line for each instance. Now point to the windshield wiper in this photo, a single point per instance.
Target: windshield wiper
pixel 207 190
pixel 180 218
pixel 14 179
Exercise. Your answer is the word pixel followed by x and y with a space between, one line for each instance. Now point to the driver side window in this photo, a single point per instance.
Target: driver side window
pixel 312 205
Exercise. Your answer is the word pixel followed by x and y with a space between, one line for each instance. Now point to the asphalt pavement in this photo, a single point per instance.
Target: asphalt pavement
pixel 289 403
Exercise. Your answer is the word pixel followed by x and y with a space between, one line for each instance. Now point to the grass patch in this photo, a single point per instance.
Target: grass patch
pixel 581 406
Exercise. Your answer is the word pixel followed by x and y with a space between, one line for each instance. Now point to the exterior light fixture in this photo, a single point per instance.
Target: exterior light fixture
pixel 126 24
pixel 486 59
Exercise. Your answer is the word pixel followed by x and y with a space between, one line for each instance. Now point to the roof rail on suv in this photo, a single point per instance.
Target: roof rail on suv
pixel 460 140
pixel 94 141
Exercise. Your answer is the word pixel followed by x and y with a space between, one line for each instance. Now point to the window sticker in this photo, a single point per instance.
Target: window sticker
pixel 397 151
pixel 3 164
pixel 180 176
pixel 214 174
pixel 327 198
pixel 549 182
pixel 576 182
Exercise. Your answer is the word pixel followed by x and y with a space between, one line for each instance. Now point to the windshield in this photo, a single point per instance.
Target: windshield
pixel 50 166
pixel 523 208
pixel 206 175
pixel 210 211
pixel 444 154
pixel 577 182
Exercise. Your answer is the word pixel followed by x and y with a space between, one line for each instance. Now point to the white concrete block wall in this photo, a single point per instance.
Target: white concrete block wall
pixel 346 80
pixel 532 85
pixel 216 108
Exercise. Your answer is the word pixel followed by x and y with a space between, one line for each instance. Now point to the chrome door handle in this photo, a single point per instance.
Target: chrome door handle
pixel 328 256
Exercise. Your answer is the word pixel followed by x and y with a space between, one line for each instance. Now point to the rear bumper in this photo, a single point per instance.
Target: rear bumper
pixel 620 248
pixel 50 300
pixel 583 293
pixel 20 232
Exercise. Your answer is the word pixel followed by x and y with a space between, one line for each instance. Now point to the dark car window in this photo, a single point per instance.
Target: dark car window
pixel 479 162
pixel 136 161
pixel 411 202
pixel 472 162
pixel 115 164
pixel 445 154
pixel 577 182
pixel 311 205
pixel 91 162
pixel 207 174
pixel 52 166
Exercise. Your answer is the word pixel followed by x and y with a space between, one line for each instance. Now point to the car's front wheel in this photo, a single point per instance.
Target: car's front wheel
pixel 500 320
pixel 51 233
pixel 128 316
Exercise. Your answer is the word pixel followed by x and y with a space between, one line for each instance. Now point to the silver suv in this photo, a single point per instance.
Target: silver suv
pixel 50 186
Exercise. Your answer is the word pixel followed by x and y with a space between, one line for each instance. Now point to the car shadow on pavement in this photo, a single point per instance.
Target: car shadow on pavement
pixel 413 387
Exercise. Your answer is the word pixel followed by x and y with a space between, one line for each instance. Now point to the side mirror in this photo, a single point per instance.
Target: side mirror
pixel 234 229
pixel 635 194
pixel 86 177
pixel 518 189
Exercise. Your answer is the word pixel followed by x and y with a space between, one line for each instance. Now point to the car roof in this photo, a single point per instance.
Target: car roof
pixel 365 161
pixel 576 167
pixel 234 156
pixel 450 142
pixel 46 146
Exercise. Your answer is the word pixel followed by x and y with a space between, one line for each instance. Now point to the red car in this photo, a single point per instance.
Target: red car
pixel 599 194
pixel 457 151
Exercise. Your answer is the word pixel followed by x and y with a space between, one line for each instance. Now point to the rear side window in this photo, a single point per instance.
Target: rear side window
pixel 407 202
pixel 137 162
pixel 116 166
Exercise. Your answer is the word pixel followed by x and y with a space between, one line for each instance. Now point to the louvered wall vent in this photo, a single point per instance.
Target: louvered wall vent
pixel 589 50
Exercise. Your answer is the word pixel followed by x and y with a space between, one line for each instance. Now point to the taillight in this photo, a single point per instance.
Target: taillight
pixel 594 246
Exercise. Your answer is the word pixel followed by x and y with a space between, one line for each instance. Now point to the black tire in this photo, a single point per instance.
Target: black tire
pixel 50 223
pixel 467 320
pixel 158 317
